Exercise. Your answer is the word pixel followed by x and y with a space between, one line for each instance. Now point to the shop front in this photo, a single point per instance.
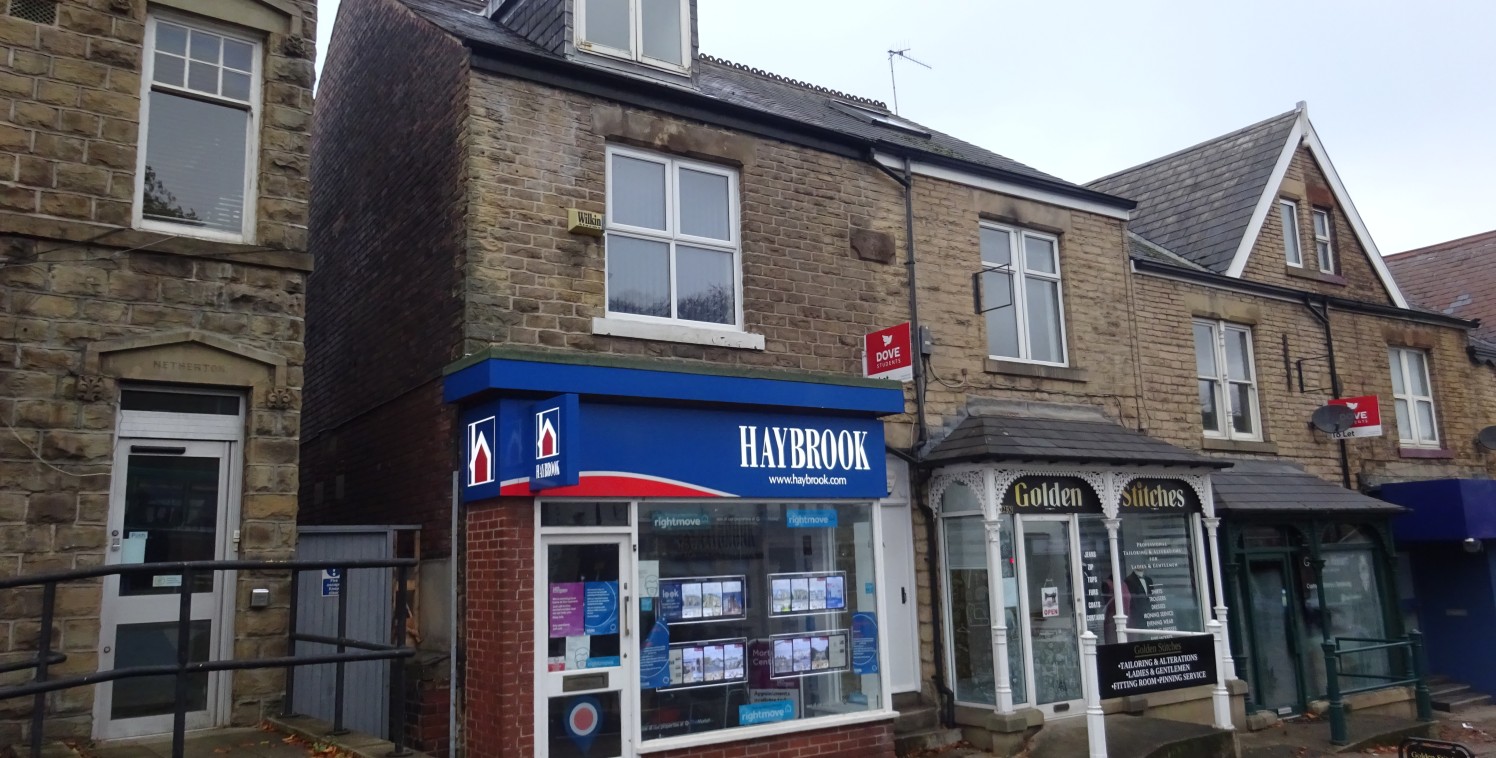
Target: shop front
pixel 703 562
pixel 1308 562
pixel 1124 552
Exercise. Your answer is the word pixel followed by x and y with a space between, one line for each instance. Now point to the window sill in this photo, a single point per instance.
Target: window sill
pixel 691 335
pixel 1424 452
pixel 1017 368
pixel 744 733
pixel 1315 275
pixel 1239 446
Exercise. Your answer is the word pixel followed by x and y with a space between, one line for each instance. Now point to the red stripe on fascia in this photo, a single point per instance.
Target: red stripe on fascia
pixel 609 486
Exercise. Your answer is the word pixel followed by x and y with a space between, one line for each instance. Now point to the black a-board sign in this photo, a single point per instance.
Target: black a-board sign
pixel 1418 747
pixel 1155 665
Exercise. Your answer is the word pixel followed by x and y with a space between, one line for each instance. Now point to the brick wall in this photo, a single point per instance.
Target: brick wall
pixel 1305 183
pixel 498 628
pixel 384 302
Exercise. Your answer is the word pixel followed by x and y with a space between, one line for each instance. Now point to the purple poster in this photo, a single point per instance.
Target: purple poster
pixel 566 609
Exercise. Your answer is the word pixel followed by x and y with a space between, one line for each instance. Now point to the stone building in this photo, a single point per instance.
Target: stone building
pixel 154 162
pixel 619 289
pixel 1260 297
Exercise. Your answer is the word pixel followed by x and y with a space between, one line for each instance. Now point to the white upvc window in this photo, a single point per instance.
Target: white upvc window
pixel 674 254
pixel 1227 380
pixel 653 32
pixel 1324 249
pixel 199 116
pixel 1413 397
pixel 1021 295
pixel 1288 212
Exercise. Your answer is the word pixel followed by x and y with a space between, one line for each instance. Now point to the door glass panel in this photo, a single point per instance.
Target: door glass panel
pixel 586 726
pixel 171 514
pixel 583 604
pixel 156 645
pixel 1051 610
pixel 1276 684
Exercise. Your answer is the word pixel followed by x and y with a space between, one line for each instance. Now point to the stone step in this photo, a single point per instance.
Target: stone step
pixel 930 739
pixel 918 719
pixel 1443 690
pixel 1462 702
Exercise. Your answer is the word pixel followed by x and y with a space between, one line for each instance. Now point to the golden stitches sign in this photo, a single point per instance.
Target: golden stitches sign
pixel 1051 494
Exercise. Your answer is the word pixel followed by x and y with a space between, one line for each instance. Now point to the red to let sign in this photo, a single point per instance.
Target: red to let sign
pixel 888 354
pixel 1368 416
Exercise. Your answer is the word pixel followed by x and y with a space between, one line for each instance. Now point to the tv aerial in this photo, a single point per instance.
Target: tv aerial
pixel 894 79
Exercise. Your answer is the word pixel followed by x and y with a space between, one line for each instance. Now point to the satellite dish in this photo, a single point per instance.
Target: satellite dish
pixel 1333 419
pixel 1487 438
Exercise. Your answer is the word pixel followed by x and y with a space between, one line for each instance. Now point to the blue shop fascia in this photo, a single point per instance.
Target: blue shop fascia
pixel 727 518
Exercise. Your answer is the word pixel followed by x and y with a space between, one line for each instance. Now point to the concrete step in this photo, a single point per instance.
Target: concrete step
pixel 1446 689
pixel 917 719
pixel 1463 702
pixel 1134 737
pixel 929 739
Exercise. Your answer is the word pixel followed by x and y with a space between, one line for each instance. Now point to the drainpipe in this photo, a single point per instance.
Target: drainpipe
pixel 920 478
pixel 1335 388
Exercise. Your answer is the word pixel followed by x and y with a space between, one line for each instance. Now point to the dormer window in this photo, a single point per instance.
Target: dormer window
pixel 652 32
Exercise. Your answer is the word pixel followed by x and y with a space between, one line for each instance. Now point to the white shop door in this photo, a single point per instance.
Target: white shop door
pixel 899 591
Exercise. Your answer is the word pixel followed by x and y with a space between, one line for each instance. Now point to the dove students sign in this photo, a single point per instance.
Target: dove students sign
pixel 888 354
pixel 1368 416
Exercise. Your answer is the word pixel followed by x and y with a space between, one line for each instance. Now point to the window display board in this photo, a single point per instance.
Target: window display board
pixel 807 593
pixel 809 654
pixel 712 663
pixel 709 598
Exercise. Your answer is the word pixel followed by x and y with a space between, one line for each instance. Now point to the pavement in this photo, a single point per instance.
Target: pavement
pixel 234 743
pixel 1475 729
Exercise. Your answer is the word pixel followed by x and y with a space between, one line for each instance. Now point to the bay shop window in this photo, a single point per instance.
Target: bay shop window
pixel 1071 560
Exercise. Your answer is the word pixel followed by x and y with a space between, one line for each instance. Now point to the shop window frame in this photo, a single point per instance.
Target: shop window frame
pixel 881 712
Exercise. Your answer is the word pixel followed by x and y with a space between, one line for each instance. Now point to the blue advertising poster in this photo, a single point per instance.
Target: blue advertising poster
pixel 766 713
pixel 654 658
pixel 864 643
pixel 670 600
pixel 802 519
pixel 600 608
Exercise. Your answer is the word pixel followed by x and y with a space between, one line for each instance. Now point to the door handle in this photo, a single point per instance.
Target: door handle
pixel 628 604
pixel 903 596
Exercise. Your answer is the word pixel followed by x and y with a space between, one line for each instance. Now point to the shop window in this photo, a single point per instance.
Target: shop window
pixel 672 240
pixel 1354 603
pixel 754 614
pixel 198 125
pixel 1020 295
pixel 1413 398
pixel 969 601
pixel 1160 589
pixel 654 32
pixel 959 498
pixel 1227 380
pixel 568 513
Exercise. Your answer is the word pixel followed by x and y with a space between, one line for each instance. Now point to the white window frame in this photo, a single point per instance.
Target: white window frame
pixel 1324 247
pixel 246 233
pixel 1413 437
pixel 1291 235
pixel 1223 382
pixel 671 235
pixel 636 38
pixel 1018 271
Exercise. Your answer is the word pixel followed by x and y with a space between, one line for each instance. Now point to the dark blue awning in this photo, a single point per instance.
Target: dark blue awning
pixel 1444 510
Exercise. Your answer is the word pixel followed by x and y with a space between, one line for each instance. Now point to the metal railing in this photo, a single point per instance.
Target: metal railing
pixel 1334 653
pixel 184 668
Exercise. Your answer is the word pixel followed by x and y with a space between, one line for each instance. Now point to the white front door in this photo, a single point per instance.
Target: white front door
pixel 169 502
pixel 584 706
pixel 901 597
pixel 1054 613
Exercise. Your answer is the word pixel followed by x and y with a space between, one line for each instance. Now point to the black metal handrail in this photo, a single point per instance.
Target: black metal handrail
pixel 43 683
pixel 1334 653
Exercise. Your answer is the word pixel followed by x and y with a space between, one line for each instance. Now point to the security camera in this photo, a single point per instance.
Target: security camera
pixel 1472 545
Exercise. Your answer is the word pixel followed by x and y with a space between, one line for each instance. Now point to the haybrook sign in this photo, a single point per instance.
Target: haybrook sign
pixel 777 447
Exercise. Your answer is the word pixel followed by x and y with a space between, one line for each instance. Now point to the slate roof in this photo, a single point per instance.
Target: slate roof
pixel 734 85
pixel 1049 439
pixel 1280 487
pixel 1456 278
pixel 1198 202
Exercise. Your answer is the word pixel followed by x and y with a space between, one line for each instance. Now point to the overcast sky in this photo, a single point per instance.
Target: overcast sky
pixel 1403 95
